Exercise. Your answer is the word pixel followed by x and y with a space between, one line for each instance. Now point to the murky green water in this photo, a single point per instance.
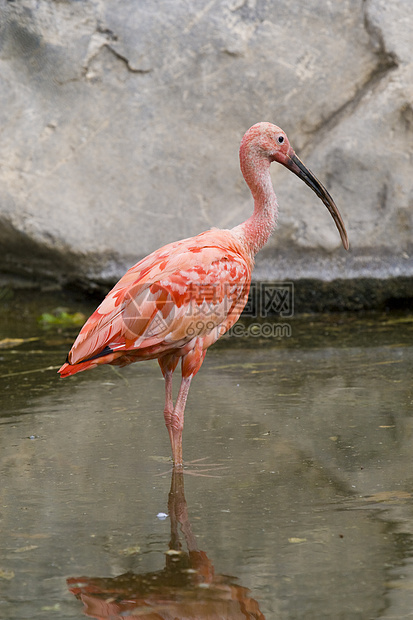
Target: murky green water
pixel 298 498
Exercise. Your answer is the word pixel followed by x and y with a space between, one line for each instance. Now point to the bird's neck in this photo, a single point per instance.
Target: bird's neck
pixel 256 230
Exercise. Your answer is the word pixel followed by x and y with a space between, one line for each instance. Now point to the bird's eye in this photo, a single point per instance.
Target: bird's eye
pixel 280 139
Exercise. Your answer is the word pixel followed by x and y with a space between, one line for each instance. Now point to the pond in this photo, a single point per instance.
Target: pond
pixel 296 499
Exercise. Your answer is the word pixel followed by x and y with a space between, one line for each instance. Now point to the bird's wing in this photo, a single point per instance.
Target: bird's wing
pixel 183 290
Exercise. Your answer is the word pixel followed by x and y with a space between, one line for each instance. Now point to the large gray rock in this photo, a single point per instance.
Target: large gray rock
pixel 120 125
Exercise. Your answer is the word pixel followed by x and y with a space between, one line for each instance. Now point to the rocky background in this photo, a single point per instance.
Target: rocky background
pixel 120 124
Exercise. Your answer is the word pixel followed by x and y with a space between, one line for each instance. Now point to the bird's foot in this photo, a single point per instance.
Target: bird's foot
pixel 197 467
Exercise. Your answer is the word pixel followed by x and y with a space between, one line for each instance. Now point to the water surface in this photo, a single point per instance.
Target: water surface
pixel 296 501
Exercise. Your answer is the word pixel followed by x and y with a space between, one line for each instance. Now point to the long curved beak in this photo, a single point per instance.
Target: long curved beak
pixel 294 163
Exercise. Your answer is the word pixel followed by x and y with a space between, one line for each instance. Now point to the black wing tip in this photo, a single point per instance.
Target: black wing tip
pixel 106 351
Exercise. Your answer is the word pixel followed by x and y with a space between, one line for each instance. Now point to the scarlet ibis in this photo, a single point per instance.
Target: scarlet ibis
pixel 176 302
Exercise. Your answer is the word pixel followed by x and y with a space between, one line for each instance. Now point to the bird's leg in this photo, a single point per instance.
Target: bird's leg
pixel 168 365
pixel 191 363
pixel 177 421
pixel 174 416
pixel 169 405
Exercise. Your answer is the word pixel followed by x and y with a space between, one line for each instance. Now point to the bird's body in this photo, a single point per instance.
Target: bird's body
pixel 174 303
pixel 180 299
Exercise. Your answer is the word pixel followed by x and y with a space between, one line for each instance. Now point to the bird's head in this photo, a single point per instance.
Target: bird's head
pixel 267 141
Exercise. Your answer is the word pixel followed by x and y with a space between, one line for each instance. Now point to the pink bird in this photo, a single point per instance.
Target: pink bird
pixel 176 302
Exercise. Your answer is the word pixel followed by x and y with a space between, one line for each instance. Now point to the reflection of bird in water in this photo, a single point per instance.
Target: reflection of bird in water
pixel 186 589
pixel 179 300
